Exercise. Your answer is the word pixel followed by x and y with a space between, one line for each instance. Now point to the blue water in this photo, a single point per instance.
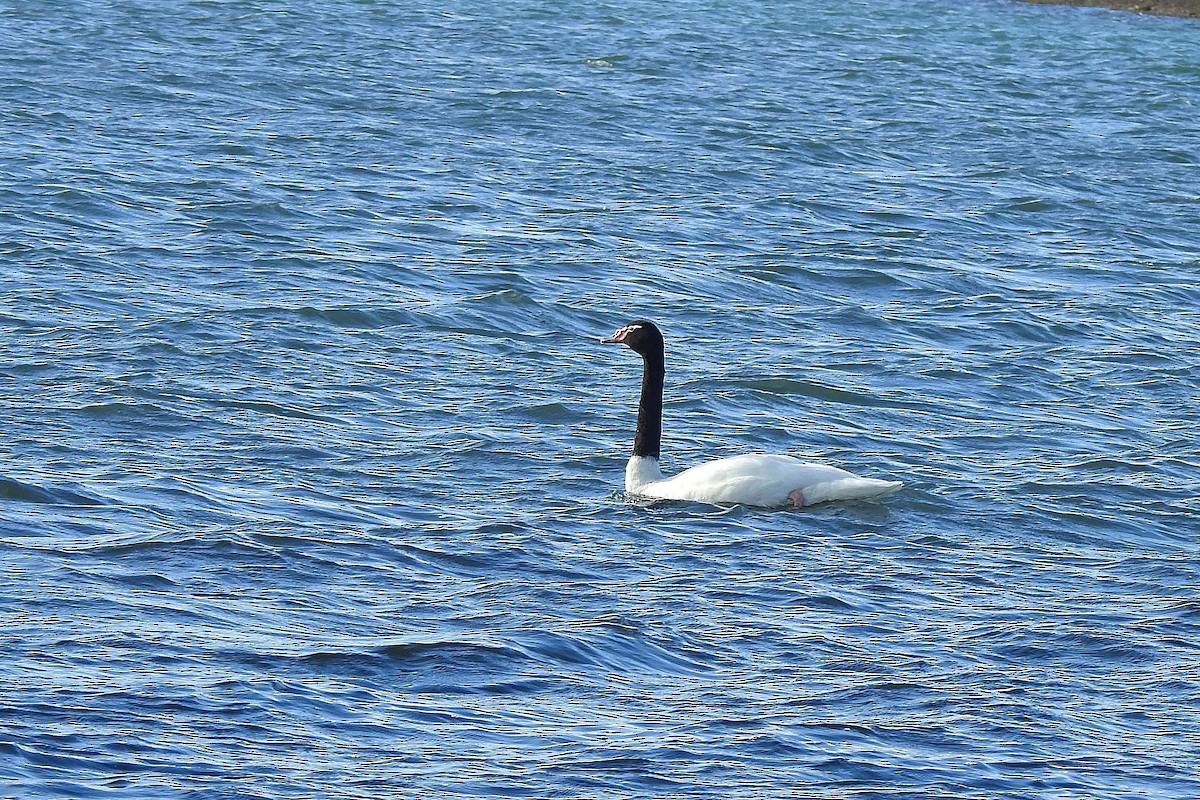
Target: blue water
pixel 311 477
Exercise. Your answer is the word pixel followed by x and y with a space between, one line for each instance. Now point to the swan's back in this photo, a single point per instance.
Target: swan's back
pixel 759 480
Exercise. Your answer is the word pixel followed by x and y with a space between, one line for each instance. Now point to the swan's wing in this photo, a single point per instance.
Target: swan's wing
pixel 852 488
pixel 766 480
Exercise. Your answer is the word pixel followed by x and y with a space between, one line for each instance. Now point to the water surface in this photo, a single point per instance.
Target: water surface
pixel 312 466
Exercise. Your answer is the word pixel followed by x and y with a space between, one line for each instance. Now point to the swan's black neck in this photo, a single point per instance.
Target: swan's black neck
pixel 648 439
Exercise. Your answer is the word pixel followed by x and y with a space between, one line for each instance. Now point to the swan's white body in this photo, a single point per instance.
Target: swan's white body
pixel 753 480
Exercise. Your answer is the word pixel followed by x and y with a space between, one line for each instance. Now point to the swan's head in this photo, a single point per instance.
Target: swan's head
pixel 642 336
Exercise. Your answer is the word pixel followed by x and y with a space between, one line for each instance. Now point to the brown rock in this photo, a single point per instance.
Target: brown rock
pixel 1170 8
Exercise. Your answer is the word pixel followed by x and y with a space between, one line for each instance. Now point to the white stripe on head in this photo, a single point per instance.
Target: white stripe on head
pixel 621 334
pixel 628 329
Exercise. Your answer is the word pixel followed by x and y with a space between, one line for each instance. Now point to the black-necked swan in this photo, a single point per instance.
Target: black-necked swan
pixel 753 480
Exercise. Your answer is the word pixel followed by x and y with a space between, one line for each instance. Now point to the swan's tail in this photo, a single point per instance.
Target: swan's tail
pixel 848 489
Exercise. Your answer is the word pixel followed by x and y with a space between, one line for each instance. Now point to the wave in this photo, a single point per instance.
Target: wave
pixel 12 489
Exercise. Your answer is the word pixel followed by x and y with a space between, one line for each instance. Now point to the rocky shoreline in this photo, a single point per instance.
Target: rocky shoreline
pixel 1169 8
